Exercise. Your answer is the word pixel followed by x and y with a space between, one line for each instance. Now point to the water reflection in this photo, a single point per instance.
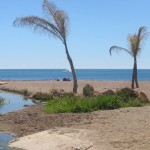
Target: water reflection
pixel 13 102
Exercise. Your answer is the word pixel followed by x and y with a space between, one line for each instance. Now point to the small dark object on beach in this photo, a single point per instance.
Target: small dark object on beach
pixel 58 79
pixel 66 79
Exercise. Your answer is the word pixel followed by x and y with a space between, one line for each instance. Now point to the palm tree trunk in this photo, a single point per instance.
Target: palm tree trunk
pixel 133 74
pixel 136 81
pixel 75 85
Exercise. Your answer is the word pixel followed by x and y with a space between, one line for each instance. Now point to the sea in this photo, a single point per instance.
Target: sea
pixel 82 74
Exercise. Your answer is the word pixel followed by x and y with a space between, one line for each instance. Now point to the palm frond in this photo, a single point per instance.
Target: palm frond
pixel 38 24
pixel 137 40
pixel 59 17
pixel 117 49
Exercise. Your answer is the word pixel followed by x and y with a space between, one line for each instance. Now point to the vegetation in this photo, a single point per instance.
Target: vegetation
pixel 1 101
pixel 42 96
pixel 25 92
pixel 55 25
pixel 135 42
pixel 123 98
pixel 88 90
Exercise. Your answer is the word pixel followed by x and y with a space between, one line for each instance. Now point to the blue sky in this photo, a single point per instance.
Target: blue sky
pixel 95 26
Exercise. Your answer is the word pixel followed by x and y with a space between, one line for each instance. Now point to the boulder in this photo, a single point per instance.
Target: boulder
pixel 109 92
pixel 143 96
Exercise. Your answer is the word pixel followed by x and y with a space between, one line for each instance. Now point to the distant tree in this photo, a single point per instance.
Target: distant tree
pixel 55 25
pixel 135 42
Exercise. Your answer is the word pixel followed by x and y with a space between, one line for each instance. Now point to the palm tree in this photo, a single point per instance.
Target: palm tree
pixel 55 25
pixel 135 42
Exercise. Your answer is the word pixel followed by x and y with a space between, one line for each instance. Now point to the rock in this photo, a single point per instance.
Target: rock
pixel 109 92
pixel 96 93
pixel 143 96
pixel 77 148
pixel 1 83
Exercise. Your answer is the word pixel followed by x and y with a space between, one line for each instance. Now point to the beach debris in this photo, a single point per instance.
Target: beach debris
pixel 66 79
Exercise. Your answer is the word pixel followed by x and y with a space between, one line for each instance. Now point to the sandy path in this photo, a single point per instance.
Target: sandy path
pixel 46 86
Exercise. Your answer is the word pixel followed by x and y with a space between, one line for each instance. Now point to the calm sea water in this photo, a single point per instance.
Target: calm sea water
pixel 82 74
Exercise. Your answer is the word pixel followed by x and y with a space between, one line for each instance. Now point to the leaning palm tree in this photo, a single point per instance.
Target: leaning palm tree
pixel 56 25
pixel 135 42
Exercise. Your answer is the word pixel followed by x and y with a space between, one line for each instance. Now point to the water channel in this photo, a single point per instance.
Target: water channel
pixel 11 102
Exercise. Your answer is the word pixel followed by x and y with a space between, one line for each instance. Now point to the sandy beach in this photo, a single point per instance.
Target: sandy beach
pixel 47 86
pixel 121 129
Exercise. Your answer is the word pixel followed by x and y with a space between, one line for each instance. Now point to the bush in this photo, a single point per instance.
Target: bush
pixel 42 96
pixel 25 92
pixel 77 104
pixel 108 102
pixel 88 90
pixel 126 94
pixel 124 98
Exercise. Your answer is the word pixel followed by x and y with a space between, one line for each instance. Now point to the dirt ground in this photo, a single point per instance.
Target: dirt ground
pixel 120 129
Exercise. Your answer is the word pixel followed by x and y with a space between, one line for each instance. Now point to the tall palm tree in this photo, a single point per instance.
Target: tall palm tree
pixel 55 25
pixel 135 42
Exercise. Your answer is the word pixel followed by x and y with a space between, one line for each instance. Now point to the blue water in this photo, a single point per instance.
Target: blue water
pixel 82 74
pixel 5 138
pixel 13 102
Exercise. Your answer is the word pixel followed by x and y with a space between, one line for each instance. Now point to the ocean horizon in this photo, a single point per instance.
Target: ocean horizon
pixel 82 74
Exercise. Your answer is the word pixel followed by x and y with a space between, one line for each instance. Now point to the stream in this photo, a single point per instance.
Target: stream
pixel 12 102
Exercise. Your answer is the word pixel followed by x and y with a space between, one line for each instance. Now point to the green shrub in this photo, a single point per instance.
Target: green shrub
pixel 88 90
pixel 126 94
pixel 76 104
pixel 133 103
pixel 25 92
pixel 108 102
pixel 42 96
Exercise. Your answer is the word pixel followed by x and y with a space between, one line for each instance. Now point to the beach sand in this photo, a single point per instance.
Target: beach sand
pixel 120 129
pixel 47 86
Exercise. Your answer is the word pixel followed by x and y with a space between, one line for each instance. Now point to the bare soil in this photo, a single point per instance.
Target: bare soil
pixel 33 119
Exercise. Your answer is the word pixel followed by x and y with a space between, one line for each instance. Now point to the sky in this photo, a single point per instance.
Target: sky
pixel 95 26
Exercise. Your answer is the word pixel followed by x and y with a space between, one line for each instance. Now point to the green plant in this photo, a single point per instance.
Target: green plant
pixel 108 102
pixel 1 101
pixel 25 92
pixel 42 96
pixel 126 94
pixel 88 90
